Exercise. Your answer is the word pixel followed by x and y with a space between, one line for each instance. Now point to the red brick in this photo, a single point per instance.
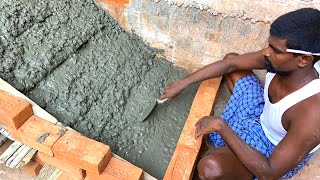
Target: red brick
pixel 89 154
pixel 182 164
pixel 32 168
pixel 118 169
pixel 13 110
pixel 35 127
pixel 68 176
pixel 206 94
pixel 184 157
pixel 61 164
pixel 37 159
pixel 118 3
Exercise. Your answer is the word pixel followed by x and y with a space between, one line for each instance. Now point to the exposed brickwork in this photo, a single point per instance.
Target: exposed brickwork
pixel 38 134
pixel 61 164
pixel 118 169
pixel 32 168
pixel 13 110
pixel 86 153
pixel 182 163
pixel 68 176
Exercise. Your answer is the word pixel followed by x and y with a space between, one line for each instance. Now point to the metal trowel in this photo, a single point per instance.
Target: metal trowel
pixel 148 109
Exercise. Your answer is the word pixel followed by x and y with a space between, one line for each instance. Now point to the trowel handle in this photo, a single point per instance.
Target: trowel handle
pixel 161 101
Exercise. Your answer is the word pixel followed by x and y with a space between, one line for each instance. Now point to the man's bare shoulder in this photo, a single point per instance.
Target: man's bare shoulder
pixel 305 115
pixel 311 105
pixel 303 128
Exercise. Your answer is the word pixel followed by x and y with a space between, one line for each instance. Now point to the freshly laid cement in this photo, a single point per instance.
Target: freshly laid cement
pixel 37 36
pixel 146 111
pixel 74 61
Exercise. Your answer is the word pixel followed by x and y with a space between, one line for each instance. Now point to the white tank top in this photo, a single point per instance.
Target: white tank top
pixel 272 113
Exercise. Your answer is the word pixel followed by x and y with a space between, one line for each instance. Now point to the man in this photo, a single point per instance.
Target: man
pixel 265 133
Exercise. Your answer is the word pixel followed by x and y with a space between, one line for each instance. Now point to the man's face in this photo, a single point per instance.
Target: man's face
pixel 271 69
pixel 277 60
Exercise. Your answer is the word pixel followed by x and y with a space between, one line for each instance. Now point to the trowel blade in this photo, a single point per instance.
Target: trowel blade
pixel 147 110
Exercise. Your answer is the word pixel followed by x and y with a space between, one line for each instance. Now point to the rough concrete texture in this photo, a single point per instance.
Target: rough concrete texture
pixel 76 62
pixel 37 36
pixel 195 33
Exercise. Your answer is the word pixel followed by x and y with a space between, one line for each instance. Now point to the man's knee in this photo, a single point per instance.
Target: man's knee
pixel 210 168
pixel 230 55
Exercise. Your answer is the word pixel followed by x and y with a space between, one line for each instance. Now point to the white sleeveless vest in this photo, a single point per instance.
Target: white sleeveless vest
pixel 272 113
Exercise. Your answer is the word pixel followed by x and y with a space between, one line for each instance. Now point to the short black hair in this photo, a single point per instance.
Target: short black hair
pixel 301 29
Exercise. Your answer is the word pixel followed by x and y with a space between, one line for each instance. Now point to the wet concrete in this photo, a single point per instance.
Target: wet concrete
pixel 76 62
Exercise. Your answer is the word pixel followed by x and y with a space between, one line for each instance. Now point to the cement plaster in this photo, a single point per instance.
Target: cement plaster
pixel 76 62
pixel 254 11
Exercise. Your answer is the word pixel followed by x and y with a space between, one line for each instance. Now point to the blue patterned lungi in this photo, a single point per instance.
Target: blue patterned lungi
pixel 242 114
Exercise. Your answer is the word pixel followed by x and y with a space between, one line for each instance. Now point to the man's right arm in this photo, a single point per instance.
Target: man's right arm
pixel 249 61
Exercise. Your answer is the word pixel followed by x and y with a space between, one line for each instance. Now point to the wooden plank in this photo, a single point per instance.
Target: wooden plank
pixel 20 156
pixel 26 159
pixel 10 151
pixel 6 134
pixel 3 139
pixel 49 173
pixel 15 154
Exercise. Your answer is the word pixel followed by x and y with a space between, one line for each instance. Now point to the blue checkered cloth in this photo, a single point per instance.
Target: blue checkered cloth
pixel 242 114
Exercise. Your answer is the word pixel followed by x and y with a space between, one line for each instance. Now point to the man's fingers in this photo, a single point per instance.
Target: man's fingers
pixel 198 130
pixel 198 134
pixel 198 123
pixel 198 126
pixel 165 97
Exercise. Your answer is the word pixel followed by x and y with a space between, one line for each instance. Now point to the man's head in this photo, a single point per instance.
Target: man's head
pixel 297 30
pixel 301 29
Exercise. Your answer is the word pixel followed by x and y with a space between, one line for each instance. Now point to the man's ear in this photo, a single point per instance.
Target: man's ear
pixel 304 60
